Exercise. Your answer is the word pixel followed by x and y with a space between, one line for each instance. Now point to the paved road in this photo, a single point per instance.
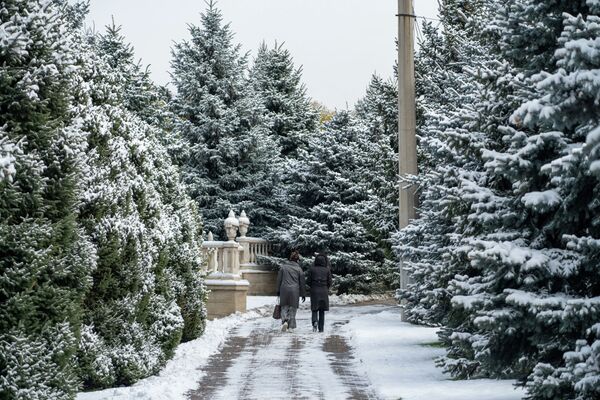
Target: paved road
pixel 258 361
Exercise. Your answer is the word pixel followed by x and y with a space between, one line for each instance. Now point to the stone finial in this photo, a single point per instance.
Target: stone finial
pixel 231 226
pixel 244 223
pixel 210 237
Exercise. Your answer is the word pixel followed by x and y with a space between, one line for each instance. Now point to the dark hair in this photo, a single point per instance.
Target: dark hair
pixel 321 260
pixel 294 256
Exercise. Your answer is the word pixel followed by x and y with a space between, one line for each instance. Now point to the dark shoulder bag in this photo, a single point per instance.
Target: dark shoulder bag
pixel 277 310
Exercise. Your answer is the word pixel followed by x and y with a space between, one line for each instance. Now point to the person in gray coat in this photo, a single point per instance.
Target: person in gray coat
pixel 290 287
pixel 319 280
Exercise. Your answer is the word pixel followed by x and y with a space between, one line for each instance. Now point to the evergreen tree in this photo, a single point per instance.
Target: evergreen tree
pixel 99 242
pixel 552 154
pixel 147 292
pixel 231 161
pixel 289 116
pixel 290 121
pixel 524 266
pixel 517 288
pixel 450 68
pixel 45 259
pixel 329 195
pixel 378 113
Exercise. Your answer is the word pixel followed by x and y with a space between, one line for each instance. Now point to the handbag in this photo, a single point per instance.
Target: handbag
pixel 277 310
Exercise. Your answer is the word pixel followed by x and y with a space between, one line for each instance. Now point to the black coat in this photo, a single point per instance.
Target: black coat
pixel 319 279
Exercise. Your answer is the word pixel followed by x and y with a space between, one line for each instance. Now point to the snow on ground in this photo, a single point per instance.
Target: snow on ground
pixel 181 373
pixel 344 299
pixel 347 299
pixel 266 363
pixel 399 359
pixel 253 302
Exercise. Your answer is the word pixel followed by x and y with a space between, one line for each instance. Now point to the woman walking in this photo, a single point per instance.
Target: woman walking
pixel 290 287
pixel 319 281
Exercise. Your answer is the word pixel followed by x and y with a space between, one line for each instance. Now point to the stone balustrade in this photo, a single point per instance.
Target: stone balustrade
pixel 213 254
pixel 252 249
pixel 233 269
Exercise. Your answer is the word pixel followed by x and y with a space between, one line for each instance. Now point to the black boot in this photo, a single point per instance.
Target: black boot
pixel 315 319
pixel 321 324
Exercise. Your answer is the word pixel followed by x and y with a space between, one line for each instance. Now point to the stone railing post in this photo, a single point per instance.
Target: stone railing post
pixel 227 289
pixel 213 255
pixel 231 249
pixel 243 240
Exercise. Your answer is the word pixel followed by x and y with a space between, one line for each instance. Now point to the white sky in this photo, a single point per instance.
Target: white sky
pixel 339 43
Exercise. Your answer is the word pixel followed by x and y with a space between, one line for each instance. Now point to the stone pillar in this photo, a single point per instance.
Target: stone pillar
pixel 231 249
pixel 243 240
pixel 226 297
pixel 212 265
pixel 228 290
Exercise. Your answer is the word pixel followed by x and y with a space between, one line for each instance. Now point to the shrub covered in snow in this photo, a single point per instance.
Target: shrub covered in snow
pixel 99 243
pixel 45 258
pixel 506 258
pixel 147 293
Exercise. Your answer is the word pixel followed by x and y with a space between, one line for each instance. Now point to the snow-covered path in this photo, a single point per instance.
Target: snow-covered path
pixel 258 361
pixel 366 352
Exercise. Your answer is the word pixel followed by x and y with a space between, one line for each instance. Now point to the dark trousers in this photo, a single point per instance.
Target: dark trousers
pixel 320 320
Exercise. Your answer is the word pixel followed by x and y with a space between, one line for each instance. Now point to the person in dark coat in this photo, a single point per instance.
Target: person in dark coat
pixel 319 280
pixel 290 287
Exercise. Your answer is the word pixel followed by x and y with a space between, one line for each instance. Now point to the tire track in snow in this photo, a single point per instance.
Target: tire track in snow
pixel 218 365
pixel 341 359
pixel 259 340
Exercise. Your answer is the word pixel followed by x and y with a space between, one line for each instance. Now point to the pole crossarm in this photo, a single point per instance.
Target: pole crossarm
pixel 417 16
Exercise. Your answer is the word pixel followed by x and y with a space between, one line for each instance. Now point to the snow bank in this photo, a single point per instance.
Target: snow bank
pixel 253 302
pixel 404 356
pixel 181 374
pixel 346 299
pixel 334 300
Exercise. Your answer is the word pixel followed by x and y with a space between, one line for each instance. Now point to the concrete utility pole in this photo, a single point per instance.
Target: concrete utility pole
pixel 407 141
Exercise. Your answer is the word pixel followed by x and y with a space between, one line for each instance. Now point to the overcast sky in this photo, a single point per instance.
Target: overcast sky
pixel 339 43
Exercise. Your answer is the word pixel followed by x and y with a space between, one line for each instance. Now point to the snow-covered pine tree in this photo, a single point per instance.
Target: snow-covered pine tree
pixel 329 193
pixel 231 159
pixel 181 251
pixel 45 259
pixel 377 112
pixel 450 89
pixel 290 120
pixel 551 156
pixel 147 292
pixel 423 244
pixel 289 115
pixel 531 292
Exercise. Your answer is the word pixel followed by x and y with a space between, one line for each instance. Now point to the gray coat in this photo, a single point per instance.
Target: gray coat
pixel 290 284
pixel 319 279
